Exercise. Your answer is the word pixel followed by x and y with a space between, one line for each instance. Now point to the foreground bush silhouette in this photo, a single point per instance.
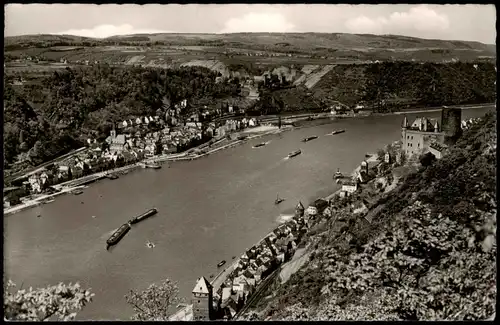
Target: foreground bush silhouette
pixel 154 303
pixel 61 301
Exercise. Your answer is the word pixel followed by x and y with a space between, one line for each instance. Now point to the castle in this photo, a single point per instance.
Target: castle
pixel 426 134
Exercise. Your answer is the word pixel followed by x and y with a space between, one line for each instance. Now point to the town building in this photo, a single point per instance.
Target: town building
pixel 350 187
pixel 202 300
pixel 424 131
pixel 117 143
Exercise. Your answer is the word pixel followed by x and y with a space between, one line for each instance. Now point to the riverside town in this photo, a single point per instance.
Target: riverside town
pixel 243 171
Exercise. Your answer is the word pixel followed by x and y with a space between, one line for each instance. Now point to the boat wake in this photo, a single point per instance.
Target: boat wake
pixel 109 233
pixel 284 218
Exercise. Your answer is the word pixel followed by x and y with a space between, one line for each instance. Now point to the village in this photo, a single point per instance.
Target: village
pixel 132 141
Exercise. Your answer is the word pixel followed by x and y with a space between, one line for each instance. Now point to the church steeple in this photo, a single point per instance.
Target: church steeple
pixel 299 209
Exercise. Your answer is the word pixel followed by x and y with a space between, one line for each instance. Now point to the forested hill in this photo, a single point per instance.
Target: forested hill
pixel 54 114
pixel 50 114
pixel 429 252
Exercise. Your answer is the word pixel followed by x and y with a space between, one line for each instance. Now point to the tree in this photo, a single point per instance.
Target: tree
pixel 154 302
pixel 427 159
pixel 61 301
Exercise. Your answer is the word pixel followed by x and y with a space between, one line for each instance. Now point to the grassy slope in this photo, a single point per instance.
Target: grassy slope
pixel 336 47
pixel 429 253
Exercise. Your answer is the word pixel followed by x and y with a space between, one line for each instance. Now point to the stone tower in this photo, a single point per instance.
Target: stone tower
pixel 451 119
pixel 202 300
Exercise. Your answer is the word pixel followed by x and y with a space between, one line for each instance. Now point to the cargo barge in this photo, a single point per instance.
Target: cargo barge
pixel 260 144
pixel 117 235
pixel 338 132
pixel 309 138
pixel 295 153
pixel 143 216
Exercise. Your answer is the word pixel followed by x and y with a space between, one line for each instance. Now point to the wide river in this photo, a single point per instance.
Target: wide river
pixel 209 210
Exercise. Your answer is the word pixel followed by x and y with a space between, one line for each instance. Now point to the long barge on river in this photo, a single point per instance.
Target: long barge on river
pixel 309 138
pixel 117 235
pixel 295 153
pixel 143 216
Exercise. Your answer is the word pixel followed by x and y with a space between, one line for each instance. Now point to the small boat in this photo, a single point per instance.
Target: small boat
pixel 117 235
pixel 295 153
pixel 77 192
pixel 112 176
pixel 309 138
pixel 153 166
pixel 242 137
pixel 233 257
pixel 338 174
pixel 211 276
pixel 150 245
pixel 48 201
pixel 143 216
pixel 278 200
pixel 221 263
pixel 260 144
pixel 39 216
pixel 337 132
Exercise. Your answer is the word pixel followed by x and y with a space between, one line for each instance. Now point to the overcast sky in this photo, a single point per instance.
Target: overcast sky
pixel 454 22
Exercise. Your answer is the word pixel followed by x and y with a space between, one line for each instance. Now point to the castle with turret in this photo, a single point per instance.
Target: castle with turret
pixel 426 134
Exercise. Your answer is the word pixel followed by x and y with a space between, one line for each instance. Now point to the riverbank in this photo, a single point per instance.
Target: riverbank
pixel 66 187
pixel 286 270
pixel 301 121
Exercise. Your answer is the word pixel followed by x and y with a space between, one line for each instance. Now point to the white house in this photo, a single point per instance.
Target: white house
pixel 350 186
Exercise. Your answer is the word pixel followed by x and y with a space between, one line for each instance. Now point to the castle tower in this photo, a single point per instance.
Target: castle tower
pixel 404 127
pixel 451 119
pixel 202 300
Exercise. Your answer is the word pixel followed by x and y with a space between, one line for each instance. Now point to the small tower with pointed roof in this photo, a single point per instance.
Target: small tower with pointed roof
pixel 299 210
pixel 202 300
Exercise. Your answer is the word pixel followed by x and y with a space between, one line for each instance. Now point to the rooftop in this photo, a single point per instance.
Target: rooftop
pixel 202 286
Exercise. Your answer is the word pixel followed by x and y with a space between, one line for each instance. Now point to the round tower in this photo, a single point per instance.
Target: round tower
pixel 451 119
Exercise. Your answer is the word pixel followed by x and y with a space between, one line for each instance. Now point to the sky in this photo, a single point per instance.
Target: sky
pixel 450 22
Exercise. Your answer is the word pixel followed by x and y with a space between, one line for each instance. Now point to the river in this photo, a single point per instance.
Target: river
pixel 209 210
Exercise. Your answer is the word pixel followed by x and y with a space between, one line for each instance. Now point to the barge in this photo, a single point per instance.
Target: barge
pixel 221 263
pixel 153 166
pixel 295 153
pixel 117 235
pixel 260 144
pixel 143 216
pixel 309 138
pixel 338 132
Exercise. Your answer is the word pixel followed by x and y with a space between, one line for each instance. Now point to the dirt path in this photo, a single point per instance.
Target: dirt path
pixel 299 259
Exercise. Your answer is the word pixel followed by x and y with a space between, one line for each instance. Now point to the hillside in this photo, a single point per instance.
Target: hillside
pixel 261 48
pixel 425 250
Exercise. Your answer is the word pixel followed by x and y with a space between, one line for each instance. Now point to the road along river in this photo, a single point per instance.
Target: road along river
pixel 210 209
